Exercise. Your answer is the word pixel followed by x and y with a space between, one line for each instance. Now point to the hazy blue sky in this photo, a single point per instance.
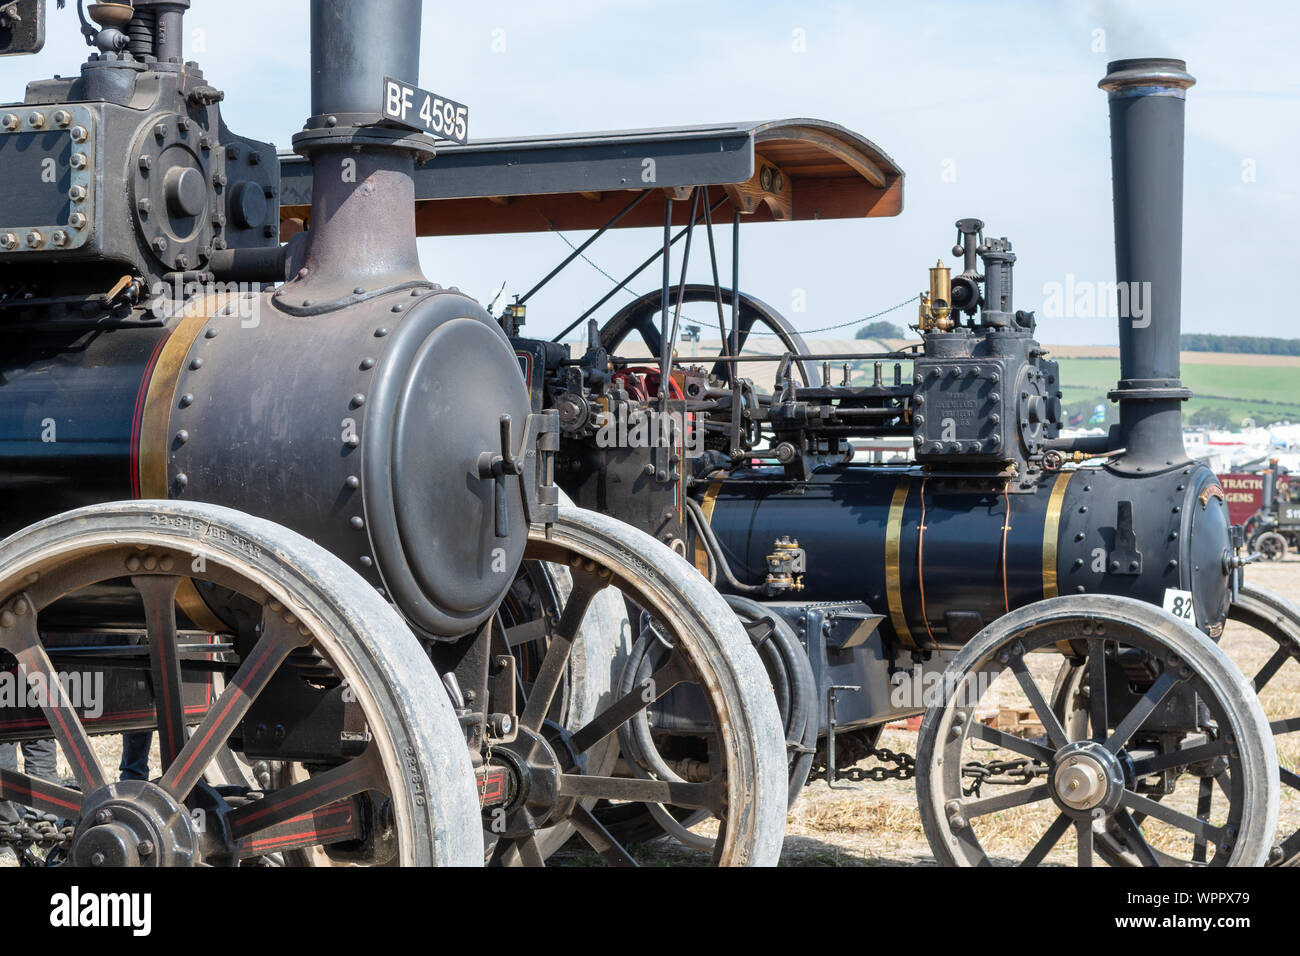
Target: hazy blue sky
pixel 1003 94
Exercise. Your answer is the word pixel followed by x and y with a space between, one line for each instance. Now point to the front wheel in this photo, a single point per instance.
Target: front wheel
pixel 1175 762
pixel 315 667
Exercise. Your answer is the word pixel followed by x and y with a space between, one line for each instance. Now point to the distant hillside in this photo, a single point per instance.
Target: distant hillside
pixel 1253 344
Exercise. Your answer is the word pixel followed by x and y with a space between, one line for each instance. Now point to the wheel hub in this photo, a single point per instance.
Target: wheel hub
pixel 536 769
pixel 1086 777
pixel 133 823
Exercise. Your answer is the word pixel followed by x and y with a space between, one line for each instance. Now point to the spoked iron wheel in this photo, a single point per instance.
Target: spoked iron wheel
pixel 400 791
pixel 527 616
pixel 1276 674
pixel 790 674
pixel 1271 545
pixel 1175 760
pixel 755 319
pixel 745 781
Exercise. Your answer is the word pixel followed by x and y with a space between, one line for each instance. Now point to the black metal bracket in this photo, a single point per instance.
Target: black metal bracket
pixel 1125 558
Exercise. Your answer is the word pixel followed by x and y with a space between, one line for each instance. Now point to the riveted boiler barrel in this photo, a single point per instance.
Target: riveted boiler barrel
pixel 360 428
pixel 932 555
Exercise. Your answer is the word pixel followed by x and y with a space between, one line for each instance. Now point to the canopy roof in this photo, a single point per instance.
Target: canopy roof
pixel 773 171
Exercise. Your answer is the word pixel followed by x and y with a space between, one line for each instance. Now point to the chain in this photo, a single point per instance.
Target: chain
pixel 998 772
pixel 904 768
pixel 1007 773
pixel 38 833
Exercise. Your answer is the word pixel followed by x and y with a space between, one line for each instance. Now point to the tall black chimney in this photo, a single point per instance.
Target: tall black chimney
pixel 1146 144
pixel 362 235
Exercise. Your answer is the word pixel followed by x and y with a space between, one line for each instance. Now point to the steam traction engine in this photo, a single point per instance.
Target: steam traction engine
pixel 292 506
pixel 1085 580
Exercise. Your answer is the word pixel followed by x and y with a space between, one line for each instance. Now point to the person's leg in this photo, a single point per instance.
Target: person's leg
pixel 41 758
pixel 135 755
pixel 9 811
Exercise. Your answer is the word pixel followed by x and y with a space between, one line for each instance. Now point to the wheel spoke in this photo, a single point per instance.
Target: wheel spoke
pixel 39 794
pixel 335 823
pixel 1288 726
pixel 530 854
pixel 356 776
pixel 1055 732
pixel 1005 801
pixel 585 588
pixel 1098 713
pixel 1270 668
pixel 673 672
pixel 1141 711
pixel 1179 758
pixel 1083 830
pixel 1150 808
pixel 159 596
pixel 1203 799
pixel 20 637
pixel 1289 778
pixel 1134 839
pixel 279 638
pixel 600 839
pixel 698 796
pixel 1047 841
pixel 1020 745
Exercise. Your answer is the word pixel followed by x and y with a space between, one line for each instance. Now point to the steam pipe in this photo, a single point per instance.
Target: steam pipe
pixel 1147 98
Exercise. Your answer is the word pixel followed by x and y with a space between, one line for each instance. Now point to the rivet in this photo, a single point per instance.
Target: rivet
pixel 211 333
pixel 367 364
pixel 359 290
pixel 187 400
pixel 398 307
pixel 182 437
pixel 380 333
pixel 365 561
pixel 353 481
pixel 357 522
pixel 358 400
pixel 182 479
pixel 196 364
pixel 133 563
pixel 150 562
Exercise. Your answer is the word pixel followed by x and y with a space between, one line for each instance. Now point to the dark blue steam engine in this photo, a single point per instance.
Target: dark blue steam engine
pixel 1001 555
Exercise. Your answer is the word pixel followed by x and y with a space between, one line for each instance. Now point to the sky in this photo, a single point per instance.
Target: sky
pixel 991 108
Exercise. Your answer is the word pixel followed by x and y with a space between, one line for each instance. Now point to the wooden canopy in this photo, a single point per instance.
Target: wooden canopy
pixel 773 171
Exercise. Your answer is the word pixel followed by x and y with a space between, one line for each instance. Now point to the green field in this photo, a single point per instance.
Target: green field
pixel 1262 392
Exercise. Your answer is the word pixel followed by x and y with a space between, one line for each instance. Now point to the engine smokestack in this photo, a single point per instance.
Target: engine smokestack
pixel 362 235
pixel 1146 140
